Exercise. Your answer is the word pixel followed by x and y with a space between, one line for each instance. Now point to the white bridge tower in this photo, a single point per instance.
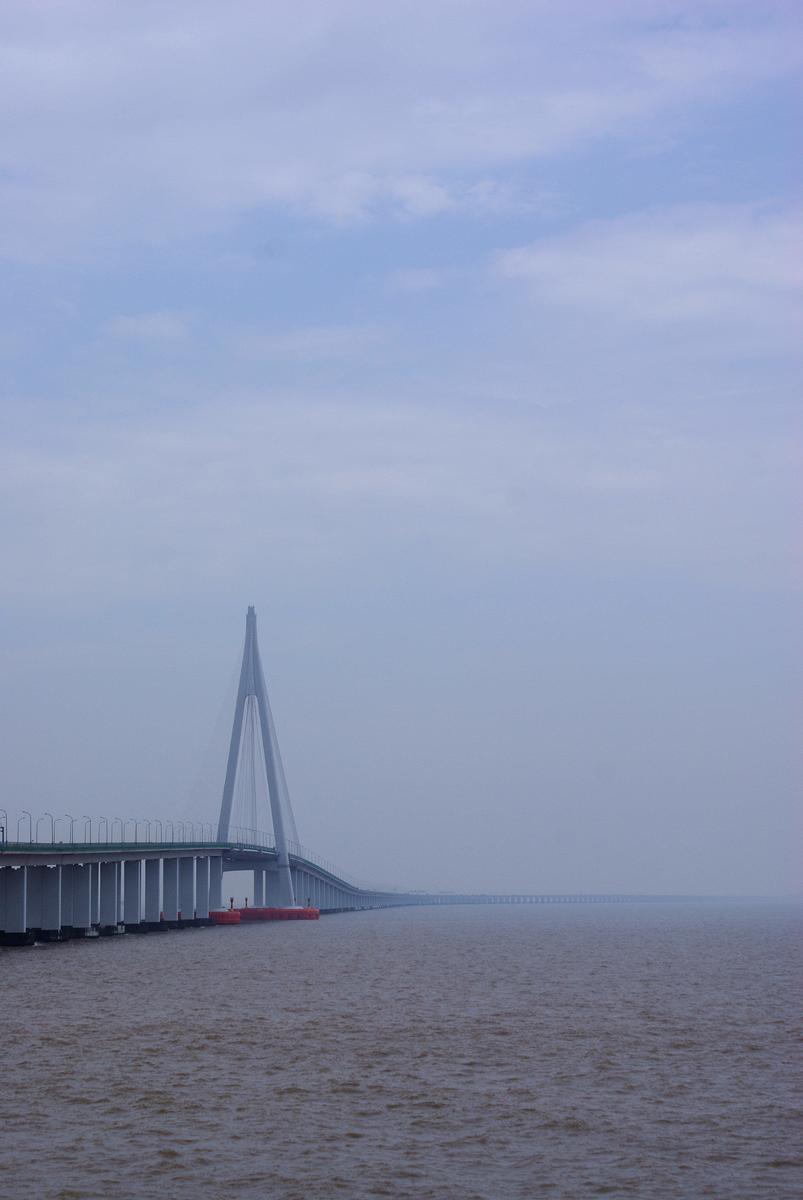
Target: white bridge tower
pixel 252 688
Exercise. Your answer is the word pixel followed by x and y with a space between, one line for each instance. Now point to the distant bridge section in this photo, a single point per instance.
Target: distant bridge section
pixel 59 889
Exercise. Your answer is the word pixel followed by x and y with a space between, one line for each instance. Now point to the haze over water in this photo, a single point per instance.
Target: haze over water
pixel 431 1054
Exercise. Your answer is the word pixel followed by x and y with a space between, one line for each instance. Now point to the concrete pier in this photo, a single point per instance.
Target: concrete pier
pixel 132 892
pixel 108 916
pixel 170 889
pixel 152 887
pixel 186 888
pixel 202 888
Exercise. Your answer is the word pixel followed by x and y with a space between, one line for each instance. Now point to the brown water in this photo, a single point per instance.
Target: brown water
pixel 433 1053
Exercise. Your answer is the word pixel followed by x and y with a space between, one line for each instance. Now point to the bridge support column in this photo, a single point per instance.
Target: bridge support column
pixel 82 896
pixel 33 897
pixel 94 885
pixel 186 888
pixel 272 892
pixel 51 898
pixel 216 882
pixel 259 887
pixel 67 895
pixel 132 892
pixel 202 887
pixel 16 906
pixel 109 893
pixel 170 889
pixel 152 881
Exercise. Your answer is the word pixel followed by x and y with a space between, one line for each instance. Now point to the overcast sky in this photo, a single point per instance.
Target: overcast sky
pixel 459 338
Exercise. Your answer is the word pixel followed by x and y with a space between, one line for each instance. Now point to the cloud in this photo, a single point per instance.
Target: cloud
pixel 316 342
pixel 196 499
pixel 691 265
pixel 131 130
pixel 162 326
pixel 417 279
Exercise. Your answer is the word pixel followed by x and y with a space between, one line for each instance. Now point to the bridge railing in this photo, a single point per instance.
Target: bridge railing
pixel 84 830
pixel 67 830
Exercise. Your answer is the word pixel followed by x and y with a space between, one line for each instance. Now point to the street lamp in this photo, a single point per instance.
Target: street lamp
pixel 87 821
pixel 69 817
pixel 52 826
pixel 25 813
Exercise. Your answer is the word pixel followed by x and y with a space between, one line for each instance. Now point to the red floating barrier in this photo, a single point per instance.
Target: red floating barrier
pixel 225 916
pixel 292 914
pixel 264 914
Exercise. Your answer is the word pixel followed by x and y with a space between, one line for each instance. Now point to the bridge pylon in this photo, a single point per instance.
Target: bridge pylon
pixel 252 684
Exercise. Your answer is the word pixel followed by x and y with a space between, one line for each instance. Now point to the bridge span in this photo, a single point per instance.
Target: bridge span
pixel 63 889
pixel 97 875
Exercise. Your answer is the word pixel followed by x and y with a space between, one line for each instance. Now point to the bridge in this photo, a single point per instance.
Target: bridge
pixel 98 876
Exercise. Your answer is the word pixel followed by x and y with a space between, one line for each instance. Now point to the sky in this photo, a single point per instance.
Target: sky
pixel 462 340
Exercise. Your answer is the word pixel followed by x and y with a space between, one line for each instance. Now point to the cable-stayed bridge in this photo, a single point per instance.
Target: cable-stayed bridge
pixel 81 876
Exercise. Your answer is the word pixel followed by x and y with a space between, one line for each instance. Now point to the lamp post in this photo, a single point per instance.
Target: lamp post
pixel 69 817
pixel 52 826
pixel 25 813
pixel 87 821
